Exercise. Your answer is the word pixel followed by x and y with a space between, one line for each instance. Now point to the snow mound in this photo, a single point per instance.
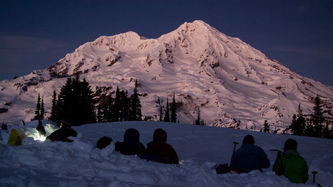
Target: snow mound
pixel 80 163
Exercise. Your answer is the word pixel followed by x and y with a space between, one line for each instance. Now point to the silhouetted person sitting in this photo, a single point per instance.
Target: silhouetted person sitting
pixel 131 144
pixel 249 157
pixel 291 164
pixel 40 128
pixel 63 133
pixel 158 150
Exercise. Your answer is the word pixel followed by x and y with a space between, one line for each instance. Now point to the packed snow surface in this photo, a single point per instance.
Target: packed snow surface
pixel 80 163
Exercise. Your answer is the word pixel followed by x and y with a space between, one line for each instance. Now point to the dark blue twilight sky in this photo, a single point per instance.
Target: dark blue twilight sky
pixel 36 33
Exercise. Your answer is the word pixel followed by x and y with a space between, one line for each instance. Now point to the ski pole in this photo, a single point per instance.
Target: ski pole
pixel 314 176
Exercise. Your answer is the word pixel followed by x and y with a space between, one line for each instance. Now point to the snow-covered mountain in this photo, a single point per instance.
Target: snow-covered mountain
pixel 229 80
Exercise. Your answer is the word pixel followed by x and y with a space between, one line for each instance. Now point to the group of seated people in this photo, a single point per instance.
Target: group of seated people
pixel 157 150
pixel 247 158
pixel 289 163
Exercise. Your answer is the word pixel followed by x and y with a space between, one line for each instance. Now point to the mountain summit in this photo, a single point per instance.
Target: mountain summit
pixel 231 83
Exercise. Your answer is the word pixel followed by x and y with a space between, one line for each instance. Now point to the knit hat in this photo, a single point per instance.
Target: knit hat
pixel 160 136
pixel 248 139
pixel 290 144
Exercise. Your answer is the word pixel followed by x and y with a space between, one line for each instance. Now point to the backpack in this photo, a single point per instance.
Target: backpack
pixel 103 142
pixel 222 168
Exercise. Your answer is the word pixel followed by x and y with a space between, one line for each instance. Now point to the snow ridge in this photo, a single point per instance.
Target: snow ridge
pixel 234 84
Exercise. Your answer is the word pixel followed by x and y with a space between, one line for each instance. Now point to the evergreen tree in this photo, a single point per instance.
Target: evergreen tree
pixel 161 113
pixel 266 127
pixel 75 103
pixel 293 125
pixel 173 110
pixel 158 101
pixel 198 121
pixel 317 117
pixel 125 102
pixel 64 102
pixel 117 106
pixel 298 124
pixel 309 130
pixel 85 108
pixel 108 109
pixel 135 105
pixel 53 116
pixel 167 116
pixel 42 110
pixel 99 113
pixel 327 133
pixel 37 111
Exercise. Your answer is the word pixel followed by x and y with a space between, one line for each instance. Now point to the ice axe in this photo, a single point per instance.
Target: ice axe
pixel 278 157
pixel 314 176
pixel 277 151
pixel 235 144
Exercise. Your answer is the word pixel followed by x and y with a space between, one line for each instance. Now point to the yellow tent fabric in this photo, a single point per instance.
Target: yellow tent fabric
pixel 15 138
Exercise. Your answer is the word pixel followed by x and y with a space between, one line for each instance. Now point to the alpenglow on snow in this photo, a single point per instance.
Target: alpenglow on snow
pixel 233 84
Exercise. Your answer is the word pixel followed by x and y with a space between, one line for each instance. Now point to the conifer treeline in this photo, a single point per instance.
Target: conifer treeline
pixel 167 117
pixel 315 125
pixel 121 108
pixel 75 104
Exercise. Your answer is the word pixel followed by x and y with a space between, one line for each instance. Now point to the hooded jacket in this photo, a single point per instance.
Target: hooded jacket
pixel 293 166
pixel 249 157
pixel 159 148
pixel 131 144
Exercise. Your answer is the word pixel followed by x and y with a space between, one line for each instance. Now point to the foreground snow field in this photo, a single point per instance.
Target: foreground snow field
pixel 80 163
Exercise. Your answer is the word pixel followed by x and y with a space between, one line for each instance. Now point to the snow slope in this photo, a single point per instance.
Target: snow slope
pixel 199 148
pixel 228 79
